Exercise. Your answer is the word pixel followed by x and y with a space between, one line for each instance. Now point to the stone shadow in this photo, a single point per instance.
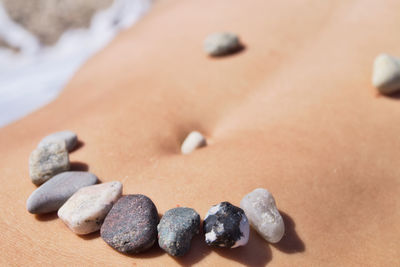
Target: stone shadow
pixel 79 166
pixel 255 253
pixel 290 242
pixel 46 216
pixel 198 250
pixel 79 144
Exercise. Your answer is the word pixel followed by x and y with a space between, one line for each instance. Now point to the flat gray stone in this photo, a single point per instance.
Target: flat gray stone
pixel 131 225
pixel 51 195
pixel 85 211
pixel 47 161
pixel 221 44
pixel 70 139
pixel 176 229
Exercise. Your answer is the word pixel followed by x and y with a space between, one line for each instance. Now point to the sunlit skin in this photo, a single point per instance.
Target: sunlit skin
pixel 294 112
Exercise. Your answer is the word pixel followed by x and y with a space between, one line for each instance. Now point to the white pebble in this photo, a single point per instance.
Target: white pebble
pixel 220 44
pixel 85 211
pixel 386 74
pixel 193 141
pixel 263 215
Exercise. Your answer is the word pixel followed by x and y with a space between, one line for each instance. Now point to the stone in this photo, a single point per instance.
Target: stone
pixel 47 161
pixel 70 139
pixel 131 225
pixel 51 195
pixel 260 208
pixel 193 141
pixel 221 44
pixel 176 229
pixel 386 74
pixel 85 211
pixel 226 225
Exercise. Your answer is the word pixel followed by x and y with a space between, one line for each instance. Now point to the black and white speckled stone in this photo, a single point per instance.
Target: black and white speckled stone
pixel 70 139
pixel 131 224
pixel 51 195
pixel 48 160
pixel 226 225
pixel 176 229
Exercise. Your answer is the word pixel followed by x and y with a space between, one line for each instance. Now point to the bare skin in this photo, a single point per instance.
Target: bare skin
pixel 294 112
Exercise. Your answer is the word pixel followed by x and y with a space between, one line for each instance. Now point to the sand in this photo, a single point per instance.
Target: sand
pixel 295 112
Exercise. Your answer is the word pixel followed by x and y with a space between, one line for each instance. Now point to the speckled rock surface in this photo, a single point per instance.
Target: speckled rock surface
pixel 386 74
pixel 51 195
pixel 176 229
pixel 260 208
pixel 131 225
pixel 70 139
pixel 85 211
pixel 193 141
pixel 226 225
pixel 47 161
pixel 221 44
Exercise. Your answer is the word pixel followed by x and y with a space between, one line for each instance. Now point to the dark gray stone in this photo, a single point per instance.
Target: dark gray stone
pixel 226 225
pixel 70 139
pixel 47 161
pixel 176 229
pixel 131 225
pixel 51 195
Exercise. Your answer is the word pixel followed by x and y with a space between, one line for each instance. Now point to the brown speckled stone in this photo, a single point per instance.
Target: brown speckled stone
pixel 131 225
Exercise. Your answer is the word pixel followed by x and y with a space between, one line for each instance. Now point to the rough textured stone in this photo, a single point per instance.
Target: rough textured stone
pixel 70 139
pixel 47 161
pixel 131 225
pixel 176 229
pixel 85 211
pixel 220 44
pixel 260 208
pixel 51 195
pixel 386 74
pixel 193 141
pixel 226 225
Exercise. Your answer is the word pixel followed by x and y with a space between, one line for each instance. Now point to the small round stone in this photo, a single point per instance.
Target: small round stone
pixel 220 44
pixel 192 142
pixel 47 161
pixel 386 74
pixel 51 195
pixel 176 229
pixel 70 139
pixel 260 208
pixel 85 211
pixel 226 225
pixel 131 225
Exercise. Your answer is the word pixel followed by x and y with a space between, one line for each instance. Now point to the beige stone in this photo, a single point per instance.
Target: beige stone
pixel 85 211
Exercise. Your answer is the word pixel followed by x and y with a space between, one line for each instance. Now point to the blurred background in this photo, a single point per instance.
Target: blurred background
pixel 44 42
